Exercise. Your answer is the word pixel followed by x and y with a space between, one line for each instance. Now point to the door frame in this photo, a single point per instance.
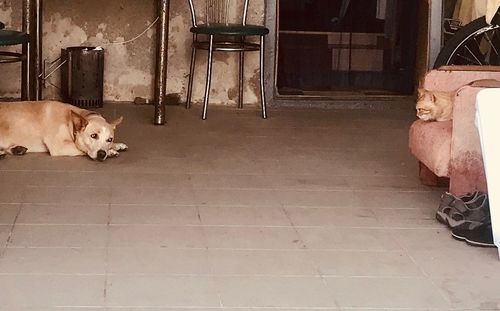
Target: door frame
pixel 432 48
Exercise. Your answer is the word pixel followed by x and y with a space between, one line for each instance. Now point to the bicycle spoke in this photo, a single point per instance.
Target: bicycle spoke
pixel 467 59
pixel 473 55
pixel 490 42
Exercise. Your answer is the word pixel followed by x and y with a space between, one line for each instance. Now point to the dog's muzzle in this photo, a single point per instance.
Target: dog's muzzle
pixel 101 155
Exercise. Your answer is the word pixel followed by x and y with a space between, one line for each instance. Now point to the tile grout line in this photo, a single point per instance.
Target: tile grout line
pixel 106 260
pixel 11 232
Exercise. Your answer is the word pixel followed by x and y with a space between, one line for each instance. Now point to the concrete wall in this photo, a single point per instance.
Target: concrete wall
pixel 129 68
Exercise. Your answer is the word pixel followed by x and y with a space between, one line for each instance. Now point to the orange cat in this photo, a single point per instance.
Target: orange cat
pixel 438 105
pixel 435 105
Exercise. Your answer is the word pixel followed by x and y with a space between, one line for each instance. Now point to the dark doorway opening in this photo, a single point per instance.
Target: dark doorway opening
pixel 346 47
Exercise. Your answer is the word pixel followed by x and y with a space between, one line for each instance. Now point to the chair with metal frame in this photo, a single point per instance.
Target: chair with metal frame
pixel 10 38
pixel 219 33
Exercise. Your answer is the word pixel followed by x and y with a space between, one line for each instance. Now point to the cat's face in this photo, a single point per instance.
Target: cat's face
pixel 426 105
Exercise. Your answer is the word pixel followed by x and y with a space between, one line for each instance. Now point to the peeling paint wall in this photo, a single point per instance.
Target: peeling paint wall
pixel 129 68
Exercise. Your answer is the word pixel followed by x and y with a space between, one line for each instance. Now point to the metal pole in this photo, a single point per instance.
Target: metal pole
pixel 161 62
pixel 30 66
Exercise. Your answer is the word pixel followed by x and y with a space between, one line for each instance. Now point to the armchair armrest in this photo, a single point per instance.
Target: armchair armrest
pixel 466 165
pixel 451 78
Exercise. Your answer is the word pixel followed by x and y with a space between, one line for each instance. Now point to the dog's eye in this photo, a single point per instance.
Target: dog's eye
pixel 94 136
pixel 110 139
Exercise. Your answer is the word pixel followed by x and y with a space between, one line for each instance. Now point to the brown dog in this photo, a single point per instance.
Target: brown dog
pixel 58 128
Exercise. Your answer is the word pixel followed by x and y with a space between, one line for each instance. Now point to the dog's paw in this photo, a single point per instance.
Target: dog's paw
pixel 19 150
pixel 2 154
pixel 112 153
pixel 120 147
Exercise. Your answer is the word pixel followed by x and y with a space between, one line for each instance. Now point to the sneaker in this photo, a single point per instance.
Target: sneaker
pixel 472 209
pixel 479 236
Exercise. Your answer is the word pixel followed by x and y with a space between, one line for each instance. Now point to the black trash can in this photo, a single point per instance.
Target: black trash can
pixel 82 76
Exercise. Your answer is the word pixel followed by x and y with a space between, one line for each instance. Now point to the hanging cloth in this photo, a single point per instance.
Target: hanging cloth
pixel 491 9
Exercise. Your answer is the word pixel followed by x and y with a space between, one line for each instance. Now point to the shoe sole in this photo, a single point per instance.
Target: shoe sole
pixel 472 243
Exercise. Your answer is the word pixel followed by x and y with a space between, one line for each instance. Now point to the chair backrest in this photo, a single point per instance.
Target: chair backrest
pixel 219 11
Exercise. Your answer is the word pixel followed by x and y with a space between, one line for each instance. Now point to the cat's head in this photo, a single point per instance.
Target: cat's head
pixel 426 105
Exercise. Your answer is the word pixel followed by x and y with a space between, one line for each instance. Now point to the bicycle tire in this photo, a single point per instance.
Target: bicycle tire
pixel 465 33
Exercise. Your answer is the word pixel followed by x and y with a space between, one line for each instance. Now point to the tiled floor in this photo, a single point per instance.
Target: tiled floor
pixel 308 210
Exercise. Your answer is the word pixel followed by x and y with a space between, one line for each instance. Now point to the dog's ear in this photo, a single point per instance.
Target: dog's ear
pixel 116 122
pixel 79 122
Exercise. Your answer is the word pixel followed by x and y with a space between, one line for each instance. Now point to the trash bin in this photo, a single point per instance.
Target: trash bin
pixel 82 76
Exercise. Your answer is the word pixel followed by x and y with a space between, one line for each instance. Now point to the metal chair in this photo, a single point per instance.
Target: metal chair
pixel 10 38
pixel 220 33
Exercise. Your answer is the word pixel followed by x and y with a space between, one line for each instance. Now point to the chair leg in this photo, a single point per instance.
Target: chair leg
pixel 24 73
pixel 240 85
pixel 262 94
pixel 191 77
pixel 209 76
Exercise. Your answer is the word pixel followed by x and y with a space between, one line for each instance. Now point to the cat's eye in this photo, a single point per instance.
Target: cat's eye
pixel 94 136
pixel 109 139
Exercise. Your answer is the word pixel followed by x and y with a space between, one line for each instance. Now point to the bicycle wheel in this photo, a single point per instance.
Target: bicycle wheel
pixel 477 43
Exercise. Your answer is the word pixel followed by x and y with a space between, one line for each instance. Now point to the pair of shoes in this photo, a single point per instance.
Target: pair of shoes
pixel 471 209
pixel 481 236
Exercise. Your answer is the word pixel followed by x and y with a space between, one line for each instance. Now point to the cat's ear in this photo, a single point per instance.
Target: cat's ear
pixel 420 92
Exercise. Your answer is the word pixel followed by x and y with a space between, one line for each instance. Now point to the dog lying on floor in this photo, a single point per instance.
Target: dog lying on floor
pixel 58 128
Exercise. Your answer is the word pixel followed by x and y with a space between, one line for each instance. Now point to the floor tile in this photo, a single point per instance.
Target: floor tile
pixel 5 231
pixel 160 179
pixel 262 262
pixel 366 239
pixel 8 213
pixel 158 261
pixel 152 195
pixel 474 293
pixel 341 198
pixel 461 262
pixel 365 264
pixel 336 217
pixel 63 214
pixel 161 291
pixel 154 214
pixel 51 291
pixel 53 261
pixel 407 217
pixel 237 197
pixel 427 239
pixel 51 236
pixel 243 216
pixel 252 238
pixel 278 292
pixel 156 236
pixel 11 193
pixel 386 293
pixel 71 195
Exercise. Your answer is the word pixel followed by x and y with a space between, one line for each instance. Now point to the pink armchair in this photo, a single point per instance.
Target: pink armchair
pixel 452 149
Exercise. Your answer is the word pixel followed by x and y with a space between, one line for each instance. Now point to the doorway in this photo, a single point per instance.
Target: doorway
pixel 346 47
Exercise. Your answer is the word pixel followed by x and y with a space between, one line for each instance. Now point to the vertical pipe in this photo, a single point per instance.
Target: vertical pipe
pixel 161 62
pixel 30 66
pixel 262 86
pixel 245 12
pixel 209 76
pixel 240 79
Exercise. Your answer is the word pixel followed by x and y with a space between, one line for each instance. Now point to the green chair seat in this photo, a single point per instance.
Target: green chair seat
pixel 230 30
pixel 12 37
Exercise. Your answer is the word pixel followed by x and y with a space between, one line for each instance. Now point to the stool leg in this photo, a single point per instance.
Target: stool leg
pixel 209 76
pixel 241 74
pixel 191 73
pixel 262 92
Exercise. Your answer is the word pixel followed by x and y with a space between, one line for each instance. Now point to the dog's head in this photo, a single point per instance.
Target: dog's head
pixel 93 135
